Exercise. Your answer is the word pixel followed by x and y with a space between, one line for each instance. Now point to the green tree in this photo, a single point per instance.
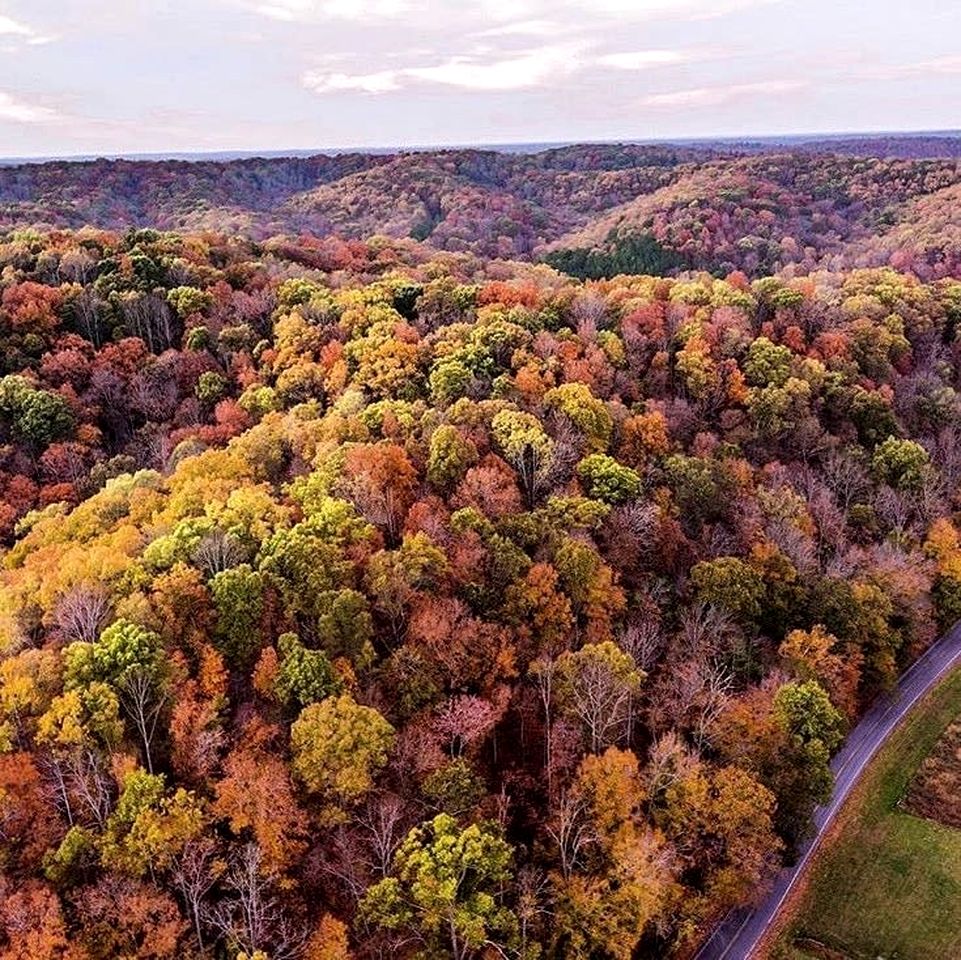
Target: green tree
pixel 445 886
pixel 608 480
pixel 585 411
pixel 806 713
pixel 188 300
pixel 802 775
pixel 903 464
pixel 699 486
pixel 210 387
pixel 88 713
pixel 123 647
pixel 40 417
pixel 946 594
pixel 449 380
pixel 345 627
pixel 730 583
pixel 77 853
pixel 767 364
pixel 526 447
pixel 393 576
pixel 638 253
pixel 306 561
pixel 454 788
pixel 776 409
pixel 238 595
pixel 305 676
pixel 149 827
pixel 451 455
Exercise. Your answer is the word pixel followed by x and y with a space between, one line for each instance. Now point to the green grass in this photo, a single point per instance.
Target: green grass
pixel 888 884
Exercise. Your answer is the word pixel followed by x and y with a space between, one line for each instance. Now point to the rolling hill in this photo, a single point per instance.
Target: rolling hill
pixel 587 208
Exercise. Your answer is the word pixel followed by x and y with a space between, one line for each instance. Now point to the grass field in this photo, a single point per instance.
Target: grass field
pixel 887 884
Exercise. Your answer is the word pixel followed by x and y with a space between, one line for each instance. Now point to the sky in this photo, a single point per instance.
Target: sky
pixel 163 76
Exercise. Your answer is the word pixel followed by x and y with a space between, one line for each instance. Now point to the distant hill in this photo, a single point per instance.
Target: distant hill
pixel 591 209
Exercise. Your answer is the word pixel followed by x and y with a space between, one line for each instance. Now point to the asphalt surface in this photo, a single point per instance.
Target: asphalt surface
pixel 740 933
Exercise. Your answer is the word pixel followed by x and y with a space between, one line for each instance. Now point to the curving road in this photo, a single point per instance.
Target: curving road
pixel 741 931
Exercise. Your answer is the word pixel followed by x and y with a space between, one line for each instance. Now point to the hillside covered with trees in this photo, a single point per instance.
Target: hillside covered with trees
pixel 593 210
pixel 373 598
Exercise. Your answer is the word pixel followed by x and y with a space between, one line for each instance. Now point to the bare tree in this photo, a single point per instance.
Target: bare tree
pixel 544 672
pixel 384 822
pixel 571 830
pixel 90 781
pixel 194 874
pixel 88 310
pixel 55 775
pixel 690 697
pixel 149 317
pixel 829 519
pixel 144 696
pixel 380 504
pixel 588 310
pixel 218 551
pixel 77 266
pixel 644 641
pixel 251 916
pixel 668 762
pixel 898 510
pixel 946 456
pixel 82 613
pixel 794 543
pixel 531 908
pixel 847 478
pixel 713 697
pixel 80 785
pixel 597 689
pixel 464 720
pixel 705 631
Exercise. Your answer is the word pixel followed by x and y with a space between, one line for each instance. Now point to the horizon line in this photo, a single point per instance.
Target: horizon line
pixel 518 146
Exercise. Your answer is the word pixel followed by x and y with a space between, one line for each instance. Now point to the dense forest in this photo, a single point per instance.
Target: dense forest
pixel 594 210
pixel 363 599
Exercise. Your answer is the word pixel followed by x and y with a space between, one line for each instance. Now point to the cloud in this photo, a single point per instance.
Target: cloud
pixel 937 66
pixel 18 111
pixel 300 11
pixel 9 26
pixel 644 59
pixel 714 96
pixel 382 81
pixel 529 68
pixel 15 29
pixel 949 65
pixel 490 71
pixel 502 10
pixel 499 17
pixel 525 28
pixel 667 9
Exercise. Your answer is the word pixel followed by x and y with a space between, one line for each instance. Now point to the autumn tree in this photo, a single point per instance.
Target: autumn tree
pixel 615 881
pixel 338 748
pixel 256 796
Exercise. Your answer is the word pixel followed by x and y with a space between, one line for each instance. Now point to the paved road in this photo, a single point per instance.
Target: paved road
pixel 740 932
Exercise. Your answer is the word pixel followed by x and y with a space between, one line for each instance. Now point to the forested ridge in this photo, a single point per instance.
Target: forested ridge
pixel 596 210
pixel 361 599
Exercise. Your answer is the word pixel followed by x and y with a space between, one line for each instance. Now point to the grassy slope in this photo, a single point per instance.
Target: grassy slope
pixel 888 884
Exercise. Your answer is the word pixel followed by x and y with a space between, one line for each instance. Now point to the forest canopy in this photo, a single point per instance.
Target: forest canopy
pixel 363 599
